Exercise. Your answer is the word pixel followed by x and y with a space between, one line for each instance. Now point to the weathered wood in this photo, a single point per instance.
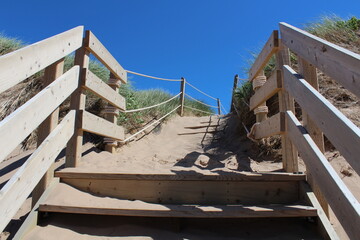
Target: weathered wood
pixel 104 91
pixel 308 71
pixel 27 118
pixel 52 72
pixel 289 152
pixel 21 64
pixel 342 201
pixel 324 221
pixel 272 86
pixel 271 126
pixel 335 61
pixel 191 192
pixel 18 188
pixel 269 49
pixel 344 134
pixel 94 124
pixel 182 96
pixel 219 106
pixel 77 102
pixel 244 177
pixel 104 56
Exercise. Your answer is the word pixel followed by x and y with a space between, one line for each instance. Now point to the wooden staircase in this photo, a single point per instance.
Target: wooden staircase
pixel 173 197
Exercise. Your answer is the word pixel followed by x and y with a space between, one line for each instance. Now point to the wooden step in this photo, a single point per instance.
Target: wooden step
pixel 66 199
pixel 232 188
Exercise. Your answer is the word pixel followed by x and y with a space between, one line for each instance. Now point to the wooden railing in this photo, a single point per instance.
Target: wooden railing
pixel 42 110
pixel 319 115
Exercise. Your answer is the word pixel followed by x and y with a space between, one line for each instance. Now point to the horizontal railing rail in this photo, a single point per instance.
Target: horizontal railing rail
pixel 320 116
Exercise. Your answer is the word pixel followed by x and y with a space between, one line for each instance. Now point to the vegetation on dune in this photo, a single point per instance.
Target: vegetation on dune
pixel 15 97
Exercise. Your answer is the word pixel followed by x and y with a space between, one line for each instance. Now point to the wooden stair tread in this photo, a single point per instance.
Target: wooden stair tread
pixel 66 199
pixel 79 173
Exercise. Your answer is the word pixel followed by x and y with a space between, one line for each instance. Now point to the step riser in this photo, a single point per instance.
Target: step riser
pixel 192 192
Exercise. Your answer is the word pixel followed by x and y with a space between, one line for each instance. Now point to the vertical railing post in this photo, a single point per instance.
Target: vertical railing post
pixel 182 96
pixel 286 103
pixel 308 71
pixel 112 114
pixel 77 102
pixel 219 106
pixel 52 72
pixel 236 80
pixel 262 110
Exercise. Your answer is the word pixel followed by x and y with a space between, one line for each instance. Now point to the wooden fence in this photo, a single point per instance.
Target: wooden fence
pixel 42 110
pixel 319 115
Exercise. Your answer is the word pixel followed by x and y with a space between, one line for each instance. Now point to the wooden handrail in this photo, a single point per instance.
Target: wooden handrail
pixel 21 64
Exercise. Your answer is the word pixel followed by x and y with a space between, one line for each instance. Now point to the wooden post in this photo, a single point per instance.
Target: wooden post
pixel 308 71
pixel 236 80
pixel 77 102
pixel 182 96
pixel 52 72
pixel 289 152
pixel 219 106
pixel 262 110
pixel 112 114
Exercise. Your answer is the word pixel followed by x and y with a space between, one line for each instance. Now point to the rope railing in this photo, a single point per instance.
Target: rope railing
pixel 195 109
pixel 158 78
pixel 151 124
pixel 199 101
pixel 200 91
pixel 223 108
pixel 149 107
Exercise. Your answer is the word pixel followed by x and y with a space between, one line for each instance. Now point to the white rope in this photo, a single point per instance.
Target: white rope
pixel 200 90
pixel 223 108
pixel 158 78
pixel 199 110
pixel 127 139
pixel 199 101
pixel 156 105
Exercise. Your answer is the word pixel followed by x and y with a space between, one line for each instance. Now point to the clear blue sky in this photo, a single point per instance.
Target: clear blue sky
pixel 205 41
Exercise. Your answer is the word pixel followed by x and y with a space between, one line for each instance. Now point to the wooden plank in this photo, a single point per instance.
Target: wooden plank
pixel 191 192
pixel 325 222
pixel 94 124
pixel 344 134
pixel 270 48
pixel 104 91
pixel 272 86
pixel 342 201
pixel 19 124
pixel 21 64
pixel 274 125
pixel 244 177
pixel 18 188
pixel 286 102
pixel 337 62
pixel 104 56
pixel 52 72
pixel 77 102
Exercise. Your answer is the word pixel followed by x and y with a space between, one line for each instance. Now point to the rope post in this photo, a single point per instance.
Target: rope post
pixel 262 110
pixel 219 106
pixel 182 96
pixel 236 80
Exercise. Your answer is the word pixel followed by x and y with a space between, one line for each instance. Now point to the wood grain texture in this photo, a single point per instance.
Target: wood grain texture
pixel 94 124
pixel 242 177
pixel 335 61
pixel 104 91
pixel 274 125
pixel 272 86
pixel 93 44
pixel 19 124
pixel 191 192
pixel 21 64
pixel 341 200
pixel 344 134
pixel 269 49
pixel 18 188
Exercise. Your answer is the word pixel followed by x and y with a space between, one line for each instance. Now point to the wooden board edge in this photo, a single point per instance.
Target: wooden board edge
pixel 274 125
